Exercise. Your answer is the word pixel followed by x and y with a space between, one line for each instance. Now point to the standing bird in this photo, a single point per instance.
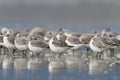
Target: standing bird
pixel 74 41
pixel 108 33
pixel 8 41
pixel 58 46
pixel 37 46
pixel 112 43
pixel 21 43
pixel 85 39
pixel 97 45
pixel 48 35
pixel 38 32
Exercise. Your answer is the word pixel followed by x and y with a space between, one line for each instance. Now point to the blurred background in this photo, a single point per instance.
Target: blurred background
pixel 60 12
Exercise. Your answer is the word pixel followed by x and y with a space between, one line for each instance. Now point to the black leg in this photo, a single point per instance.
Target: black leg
pixel 99 55
pixel 1 49
pixel 4 50
pixel 88 49
pixel 37 54
pixel 24 53
pixel 18 53
pixel 13 54
pixel 60 54
pixel 73 52
pixel 112 52
pixel 88 52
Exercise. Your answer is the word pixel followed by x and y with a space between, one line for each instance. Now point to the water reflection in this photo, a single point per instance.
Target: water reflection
pixel 20 64
pixel 56 64
pixel 72 62
pixel 83 65
pixel 98 66
pixel 7 63
pixel 34 64
pixel 66 67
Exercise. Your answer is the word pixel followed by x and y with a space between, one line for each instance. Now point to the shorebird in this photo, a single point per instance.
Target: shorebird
pixel 25 32
pixel 111 43
pixel 21 43
pixel 97 45
pixel 67 32
pixel 1 42
pixel 85 39
pixel 4 30
pixel 61 36
pixel 74 41
pixel 38 32
pixel 58 46
pixel 8 41
pixel 37 46
pixel 111 39
pixel 48 35
pixel 107 32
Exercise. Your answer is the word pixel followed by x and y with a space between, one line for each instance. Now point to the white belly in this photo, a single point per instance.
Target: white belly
pixel 8 44
pixel 21 47
pixel 56 49
pixel 1 44
pixel 75 46
pixel 35 49
pixel 94 48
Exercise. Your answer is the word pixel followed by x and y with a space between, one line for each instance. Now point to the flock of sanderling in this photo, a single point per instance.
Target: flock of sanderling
pixel 63 45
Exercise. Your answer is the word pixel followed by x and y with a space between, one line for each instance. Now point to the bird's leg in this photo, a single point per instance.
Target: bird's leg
pixel 1 49
pixel 37 54
pixel 73 52
pixel 5 50
pixel 111 52
pixel 60 54
pixel 42 56
pixel 24 53
pixel 18 52
pixel 88 49
pixel 102 55
pixel 13 53
pixel 98 55
pixel 88 53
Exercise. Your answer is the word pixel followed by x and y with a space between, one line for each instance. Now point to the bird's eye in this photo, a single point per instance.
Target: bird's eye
pixel 93 38
pixel 7 35
pixel 5 31
pixel 104 34
pixel 110 36
pixel 1 33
